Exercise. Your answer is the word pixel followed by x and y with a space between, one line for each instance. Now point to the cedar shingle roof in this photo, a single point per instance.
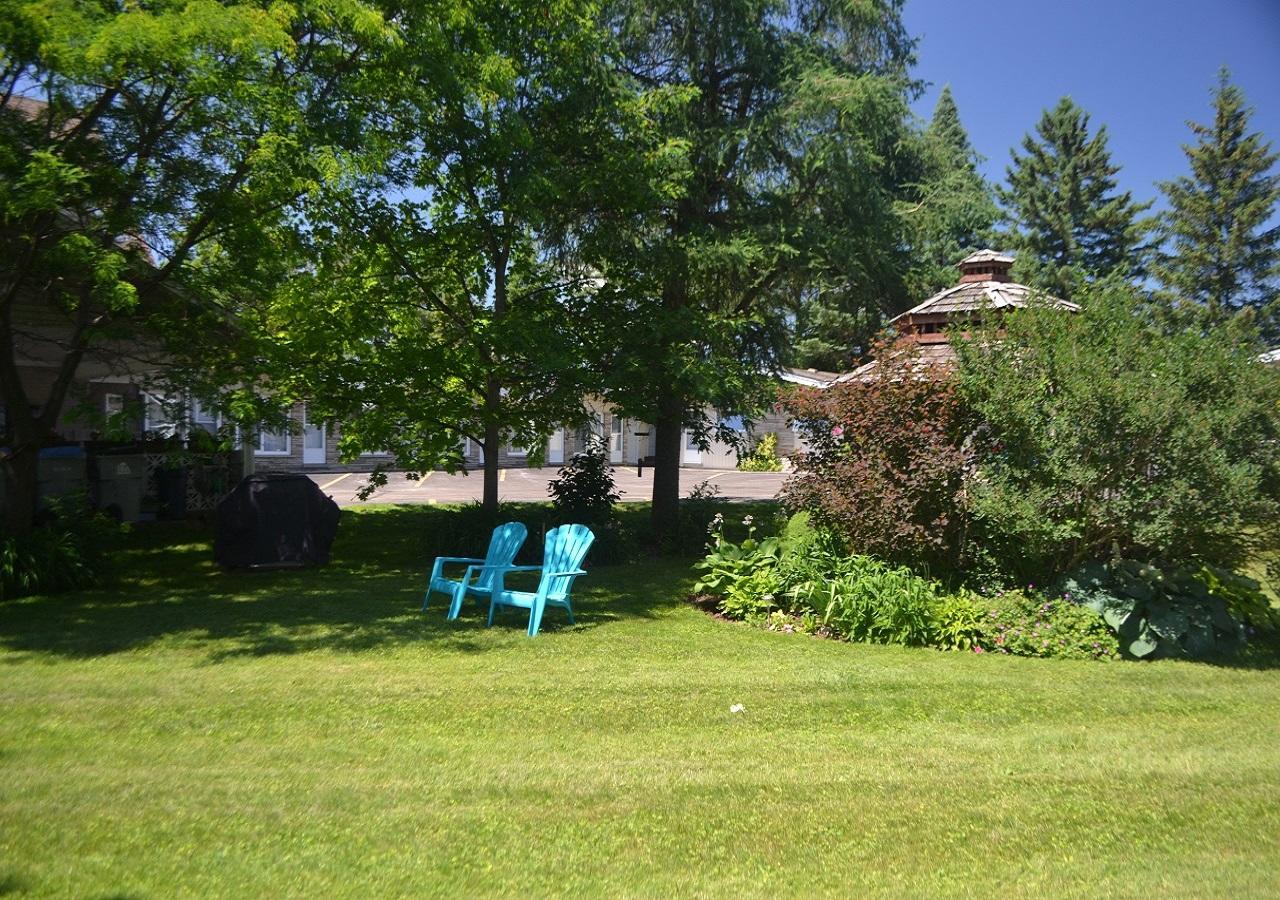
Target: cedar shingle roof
pixel 973 296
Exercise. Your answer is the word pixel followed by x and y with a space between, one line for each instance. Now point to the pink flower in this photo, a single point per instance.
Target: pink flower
pixel 977 649
pixel 837 431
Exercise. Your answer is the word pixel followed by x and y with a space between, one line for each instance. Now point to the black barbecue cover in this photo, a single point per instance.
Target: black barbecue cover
pixel 271 520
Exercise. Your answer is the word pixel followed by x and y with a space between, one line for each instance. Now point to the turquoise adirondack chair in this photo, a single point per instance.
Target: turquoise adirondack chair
pixel 503 547
pixel 562 558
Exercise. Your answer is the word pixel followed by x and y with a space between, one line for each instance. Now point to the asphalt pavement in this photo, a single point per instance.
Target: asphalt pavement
pixel 516 485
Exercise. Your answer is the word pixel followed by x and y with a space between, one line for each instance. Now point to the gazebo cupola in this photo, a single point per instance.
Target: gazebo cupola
pixel 985 265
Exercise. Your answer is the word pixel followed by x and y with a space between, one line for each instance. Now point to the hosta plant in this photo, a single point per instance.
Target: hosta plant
pixel 1154 611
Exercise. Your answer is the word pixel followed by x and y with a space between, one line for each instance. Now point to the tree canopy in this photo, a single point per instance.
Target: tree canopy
pixel 454 279
pixel 952 211
pixel 1069 223
pixel 790 117
pixel 135 141
pixel 1222 255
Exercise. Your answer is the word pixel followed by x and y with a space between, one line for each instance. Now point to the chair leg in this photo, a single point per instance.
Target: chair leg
pixel 455 607
pixel 492 605
pixel 426 598
pixel 568 607
pixel 535 617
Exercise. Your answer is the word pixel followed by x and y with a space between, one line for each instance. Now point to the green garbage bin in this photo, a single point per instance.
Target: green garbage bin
pixel 122 480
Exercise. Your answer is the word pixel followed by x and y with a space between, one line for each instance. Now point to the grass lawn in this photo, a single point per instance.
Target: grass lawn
pixel 312 733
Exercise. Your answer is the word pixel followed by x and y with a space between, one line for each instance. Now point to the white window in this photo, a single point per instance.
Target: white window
pixel 204 418
pixel 515 450
pixel 273 443
pixel 113 404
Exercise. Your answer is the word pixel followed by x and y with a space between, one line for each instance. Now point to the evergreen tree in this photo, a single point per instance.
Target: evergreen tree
pixel 790 117
pixel 953 211
pixel 1070 224
pixel 1220 256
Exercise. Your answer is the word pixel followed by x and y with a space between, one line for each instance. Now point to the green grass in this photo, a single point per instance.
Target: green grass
pixel 310 733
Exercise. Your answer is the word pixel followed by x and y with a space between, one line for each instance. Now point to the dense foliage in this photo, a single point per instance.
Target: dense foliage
pixel 70 549
pixel 790 115
pixel 1103 436
pixel 953 211
pixel 144 149
pixel 1025 623
pixel 583 489
pixel 1157 611
pixel 802 580
pixel 885 460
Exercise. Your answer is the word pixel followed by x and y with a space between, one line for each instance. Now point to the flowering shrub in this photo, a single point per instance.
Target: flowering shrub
pixel 1024 623
pixel 885 462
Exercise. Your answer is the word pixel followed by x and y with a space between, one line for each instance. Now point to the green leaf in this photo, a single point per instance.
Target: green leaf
pixel 1144 644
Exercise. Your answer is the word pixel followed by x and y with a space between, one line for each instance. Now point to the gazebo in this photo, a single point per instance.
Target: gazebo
pixel 984 288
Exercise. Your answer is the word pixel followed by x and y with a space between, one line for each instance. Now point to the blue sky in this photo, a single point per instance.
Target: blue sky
pixel 1141 67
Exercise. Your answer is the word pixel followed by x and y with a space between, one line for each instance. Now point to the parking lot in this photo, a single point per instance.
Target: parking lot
pixel 517 485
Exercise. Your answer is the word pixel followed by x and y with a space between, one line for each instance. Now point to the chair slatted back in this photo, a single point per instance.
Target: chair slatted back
pixel 503 546
pixel 564 551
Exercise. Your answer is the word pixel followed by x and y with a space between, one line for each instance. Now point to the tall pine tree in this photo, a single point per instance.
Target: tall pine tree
pixel 953 211
pixel 790 114
pixel 1070 224
pixel 1219 255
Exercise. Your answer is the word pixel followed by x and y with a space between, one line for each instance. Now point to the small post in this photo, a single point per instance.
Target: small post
pixel 639 457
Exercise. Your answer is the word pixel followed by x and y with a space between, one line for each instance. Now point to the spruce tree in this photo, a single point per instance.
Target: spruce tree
pixel 1219 255
pixel 953 211
pixel 1070 224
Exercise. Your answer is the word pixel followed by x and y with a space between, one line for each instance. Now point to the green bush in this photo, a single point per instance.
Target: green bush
pixel 583 489
pixel 1243 596
pixel 70 550
pixel 1027 624
pixel 1154 611
pixel 803 573
pixel 763 456
pixel 874 601
pixel 802 581
pixel 1105 436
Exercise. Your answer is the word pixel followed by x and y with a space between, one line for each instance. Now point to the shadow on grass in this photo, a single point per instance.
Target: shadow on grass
pixel 369 596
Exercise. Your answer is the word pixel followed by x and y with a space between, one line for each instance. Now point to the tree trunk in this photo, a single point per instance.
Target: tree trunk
pixel 664 517
pixel 20 474
pixel 492 439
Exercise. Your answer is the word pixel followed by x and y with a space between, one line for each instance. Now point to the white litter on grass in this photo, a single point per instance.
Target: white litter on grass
pixel 737 708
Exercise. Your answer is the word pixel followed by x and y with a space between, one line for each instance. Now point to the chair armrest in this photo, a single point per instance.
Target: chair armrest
pixel 510 568
pixel 438 566
pixel 570 572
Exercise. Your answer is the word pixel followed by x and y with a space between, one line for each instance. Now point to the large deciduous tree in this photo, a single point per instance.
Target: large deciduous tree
pixel 133 138
pixel 791 114
pixel 1070 224
pixel 452 283
pixel 1222 253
